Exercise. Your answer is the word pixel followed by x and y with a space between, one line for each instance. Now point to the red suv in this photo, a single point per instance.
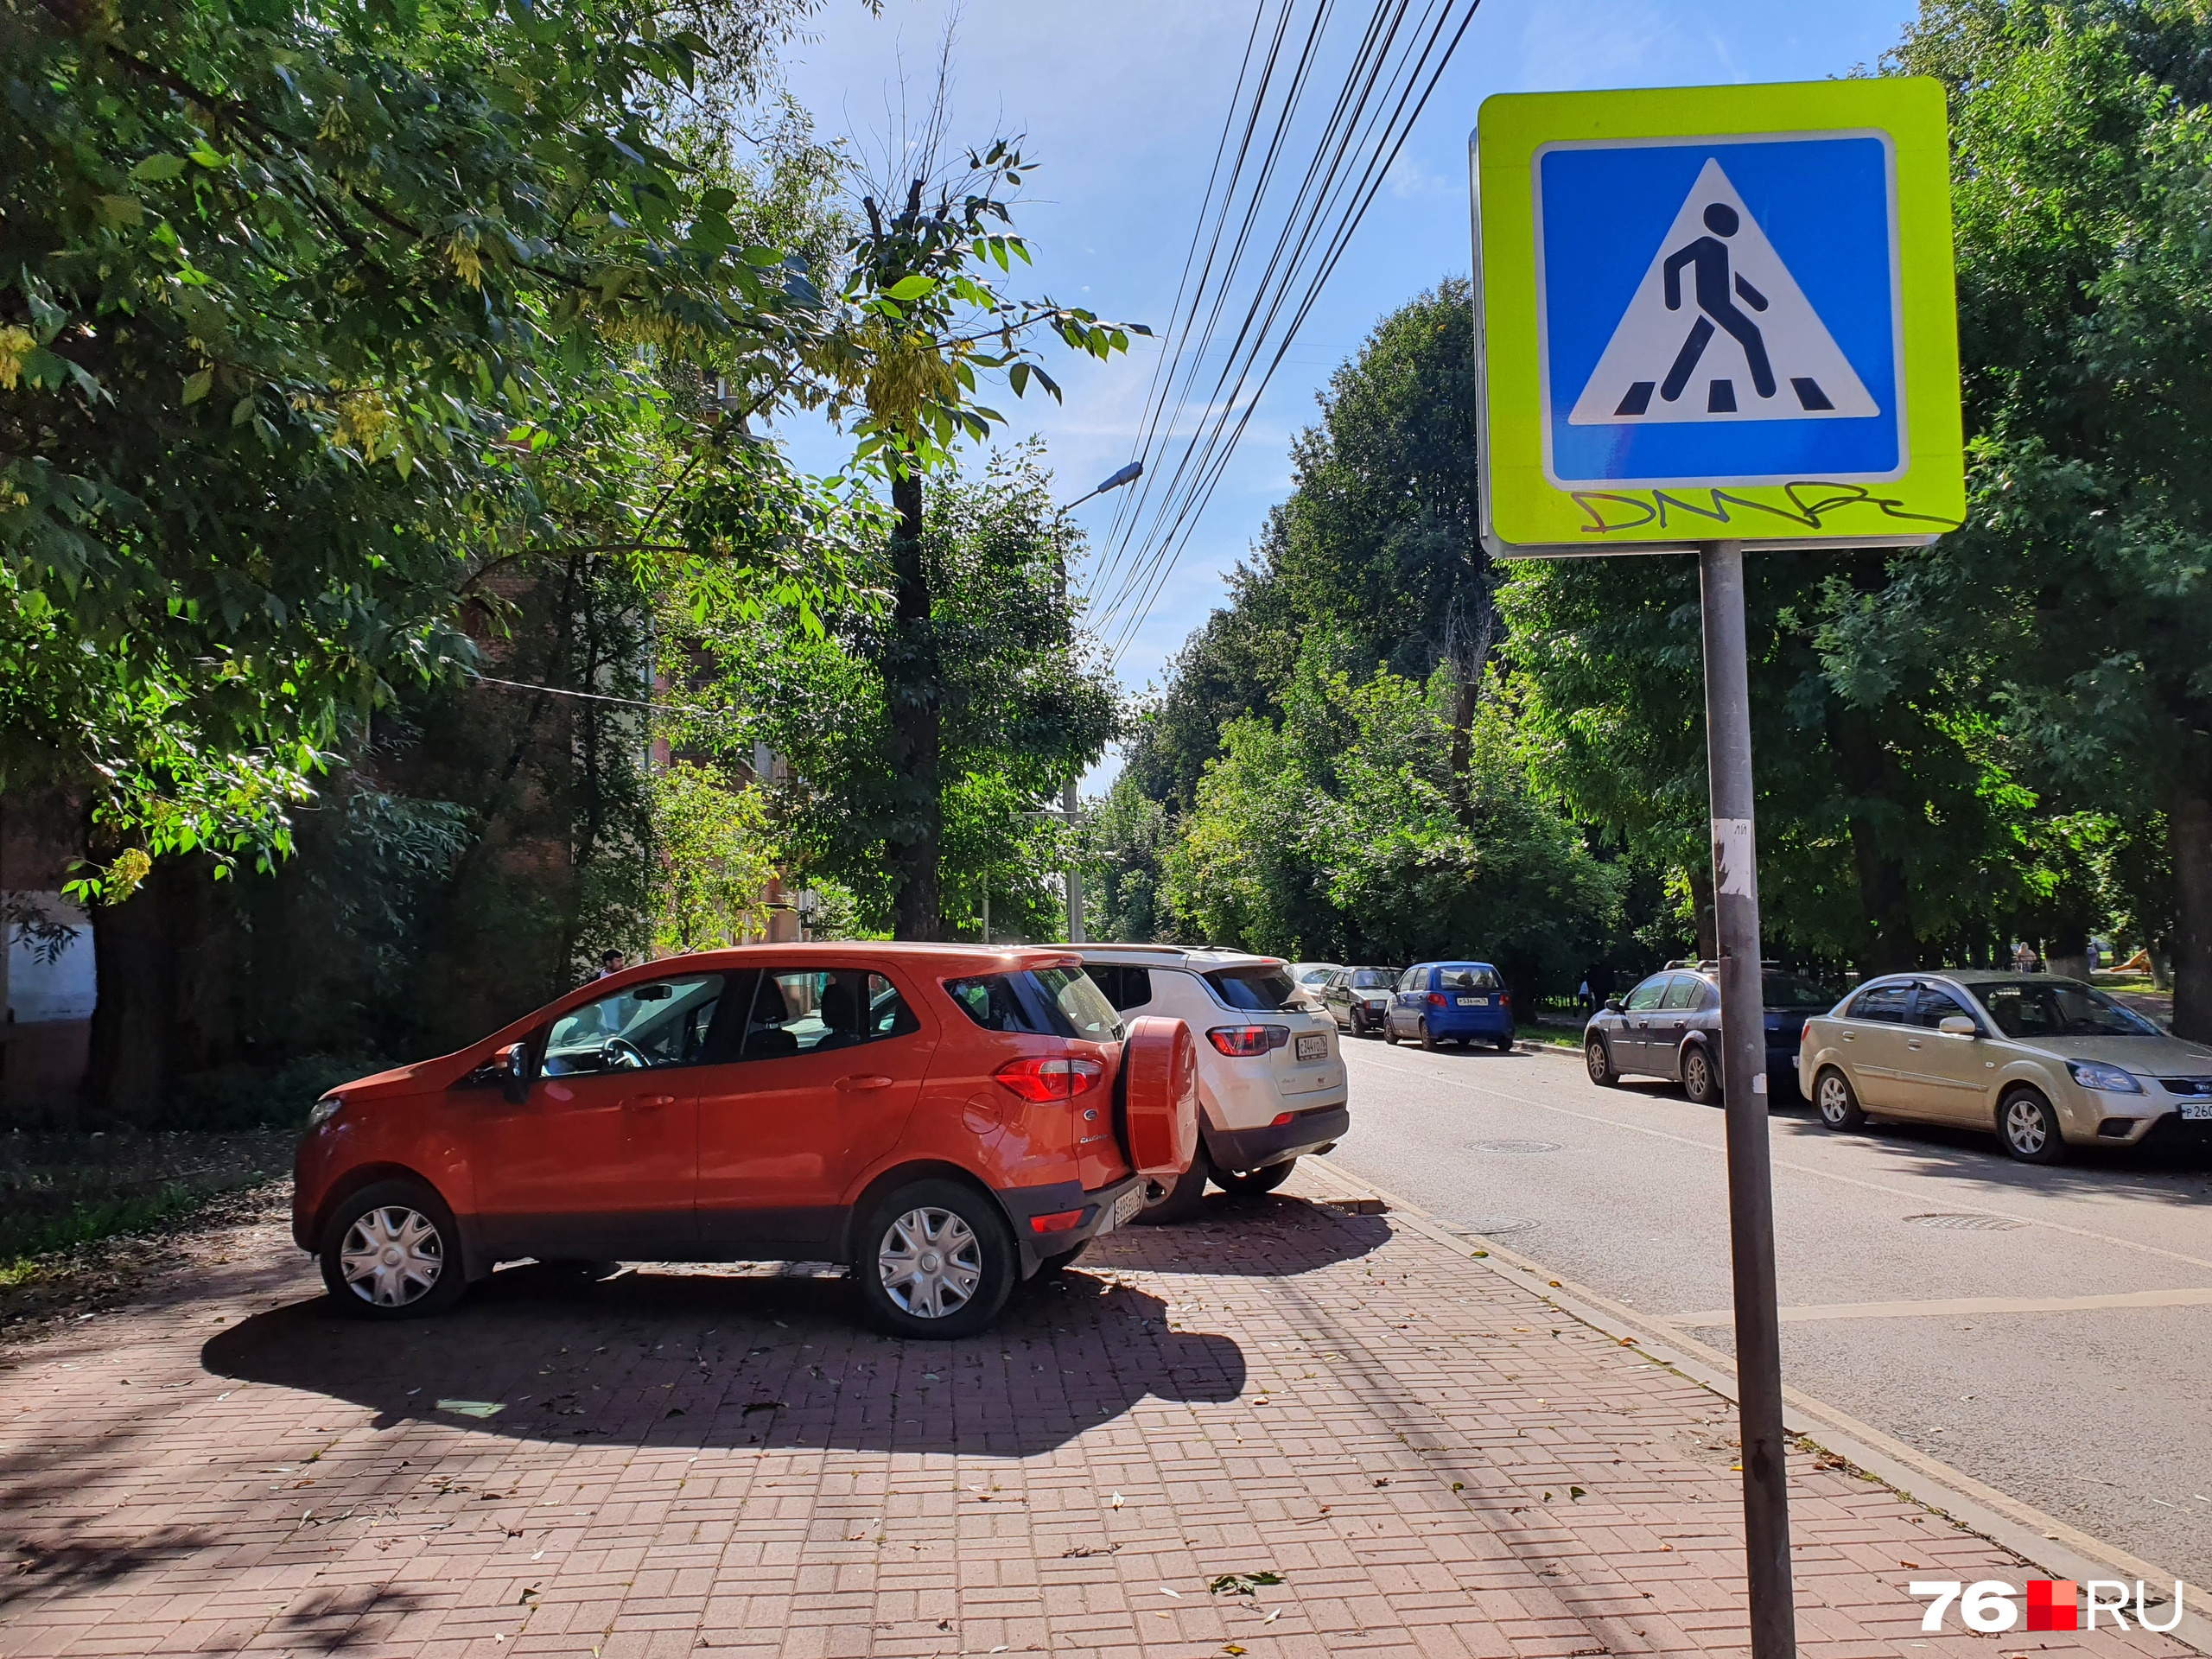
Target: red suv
pixel 948 1119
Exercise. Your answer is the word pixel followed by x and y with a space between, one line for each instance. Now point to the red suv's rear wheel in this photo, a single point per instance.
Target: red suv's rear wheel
pixel 934 1258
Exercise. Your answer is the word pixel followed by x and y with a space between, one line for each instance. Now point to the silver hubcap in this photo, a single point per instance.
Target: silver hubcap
pixel 392 1256
pixel 1835 1104
pixel 2024 1123
pixel 1596 1056
pixel 1694 1073
pixel 932 1261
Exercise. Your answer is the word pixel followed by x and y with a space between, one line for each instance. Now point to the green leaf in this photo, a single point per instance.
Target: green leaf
pixel 912 287
pixel 198 386
pixel 122 210
pixel 157 170
pixel 241 411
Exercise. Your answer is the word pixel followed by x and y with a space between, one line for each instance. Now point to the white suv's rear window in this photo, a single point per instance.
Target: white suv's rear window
pixel 1258 990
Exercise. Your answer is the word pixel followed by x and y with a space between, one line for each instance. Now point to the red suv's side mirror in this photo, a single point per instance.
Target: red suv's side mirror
pixel 519 1071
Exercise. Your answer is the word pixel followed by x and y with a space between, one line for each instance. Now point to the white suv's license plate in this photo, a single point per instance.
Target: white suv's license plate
pixel 1313 1046
pixel 1474 1002
pixel 1125 1208
pixel 2197 1111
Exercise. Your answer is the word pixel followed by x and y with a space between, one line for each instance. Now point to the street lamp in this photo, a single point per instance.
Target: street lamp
pixel 1069 809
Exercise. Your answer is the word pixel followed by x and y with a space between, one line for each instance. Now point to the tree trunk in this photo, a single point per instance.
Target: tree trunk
pixel 136 947
pixel 917 728
pixel 1885 897
pixel 2188 832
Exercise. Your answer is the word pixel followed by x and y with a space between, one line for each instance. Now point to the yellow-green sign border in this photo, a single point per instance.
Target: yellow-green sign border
pixel 1536 518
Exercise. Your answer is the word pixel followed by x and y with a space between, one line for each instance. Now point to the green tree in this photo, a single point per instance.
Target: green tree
pixel 1347 831
pixel 2080 582
pixel 313 317
pixel 927 315
pixel 717 856
pixel 1020 704
pixel 1121 849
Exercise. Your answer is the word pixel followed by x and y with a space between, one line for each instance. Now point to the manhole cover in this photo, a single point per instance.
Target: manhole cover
pixel 1967 1224
pixel 1492 1226
pixel 1515 1145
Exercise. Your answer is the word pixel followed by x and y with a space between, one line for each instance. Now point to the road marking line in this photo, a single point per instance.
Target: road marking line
pixel 1720 1151
pixel 1809 1313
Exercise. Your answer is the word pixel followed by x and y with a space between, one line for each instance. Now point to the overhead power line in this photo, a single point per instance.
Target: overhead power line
pixel 1290 183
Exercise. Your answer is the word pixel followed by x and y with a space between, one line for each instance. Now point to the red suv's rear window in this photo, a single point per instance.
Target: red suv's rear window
pixel 1047 1002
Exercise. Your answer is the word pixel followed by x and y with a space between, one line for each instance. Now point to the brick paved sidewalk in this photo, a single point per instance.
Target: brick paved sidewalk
pixel 1435 1462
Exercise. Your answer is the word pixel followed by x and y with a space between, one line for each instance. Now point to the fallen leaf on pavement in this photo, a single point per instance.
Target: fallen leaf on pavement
pixel 1242 1584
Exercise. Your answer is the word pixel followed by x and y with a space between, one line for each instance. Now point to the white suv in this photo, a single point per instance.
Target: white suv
pixel 1271 1082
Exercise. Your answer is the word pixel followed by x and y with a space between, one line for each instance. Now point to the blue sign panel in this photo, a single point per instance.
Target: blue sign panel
pixel 1720 311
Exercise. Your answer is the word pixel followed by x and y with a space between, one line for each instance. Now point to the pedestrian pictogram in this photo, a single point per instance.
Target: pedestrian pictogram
pixel 1719 330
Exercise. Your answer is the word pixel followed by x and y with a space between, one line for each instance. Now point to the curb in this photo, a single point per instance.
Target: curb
pixel 2039 1540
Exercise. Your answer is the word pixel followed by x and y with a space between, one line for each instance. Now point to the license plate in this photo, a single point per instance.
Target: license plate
pixel 2197 1111
pixel 1312 1046
pixel 1125 1208
pixel 1474 1002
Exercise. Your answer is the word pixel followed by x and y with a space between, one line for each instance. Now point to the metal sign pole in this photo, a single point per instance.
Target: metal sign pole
pixel 1742 1076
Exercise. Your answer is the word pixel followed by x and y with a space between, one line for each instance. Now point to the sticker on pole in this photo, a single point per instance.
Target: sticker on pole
pixel 1717 313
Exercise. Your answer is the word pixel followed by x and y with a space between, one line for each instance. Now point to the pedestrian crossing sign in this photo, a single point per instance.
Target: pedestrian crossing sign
pixel 1717 313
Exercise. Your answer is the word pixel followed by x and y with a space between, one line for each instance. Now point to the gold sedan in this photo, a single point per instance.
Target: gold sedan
pixel 2045 1063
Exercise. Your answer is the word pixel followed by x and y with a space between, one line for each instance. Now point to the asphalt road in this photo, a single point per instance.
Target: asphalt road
pixel 2096 1406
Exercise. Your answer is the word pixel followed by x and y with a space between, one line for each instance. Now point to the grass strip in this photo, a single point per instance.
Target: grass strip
pixel 24 1243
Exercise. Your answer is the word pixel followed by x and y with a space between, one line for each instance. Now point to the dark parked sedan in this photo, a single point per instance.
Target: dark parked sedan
pixel 1669 1027
pixel 1356 998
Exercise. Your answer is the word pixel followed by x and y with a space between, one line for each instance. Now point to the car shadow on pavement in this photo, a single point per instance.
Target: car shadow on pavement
pixel 714 1359
pixel 1299 1236
pixel 1965 1154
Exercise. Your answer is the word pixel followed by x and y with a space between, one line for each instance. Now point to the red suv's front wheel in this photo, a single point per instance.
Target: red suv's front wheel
pixel 392 1252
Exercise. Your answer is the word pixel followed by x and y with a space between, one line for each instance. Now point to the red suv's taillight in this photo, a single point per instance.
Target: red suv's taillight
pixel 1247 1040
pixel 1043 1078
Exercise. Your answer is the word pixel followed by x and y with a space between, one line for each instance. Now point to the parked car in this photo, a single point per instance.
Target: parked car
pixel 1358 997
pixel 1311 977
pixel 2044 1062
pixel 1436 1002
pixel 947 1120
pixel 1668 1025
pixel 1271 1080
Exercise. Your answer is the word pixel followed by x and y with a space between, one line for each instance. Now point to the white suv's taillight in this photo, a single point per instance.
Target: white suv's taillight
pixel 1245 1041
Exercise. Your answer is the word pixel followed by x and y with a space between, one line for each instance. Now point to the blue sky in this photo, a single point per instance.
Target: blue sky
pixel 1122 105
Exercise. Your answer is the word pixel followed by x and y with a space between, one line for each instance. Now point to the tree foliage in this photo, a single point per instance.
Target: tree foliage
pixel 1021 704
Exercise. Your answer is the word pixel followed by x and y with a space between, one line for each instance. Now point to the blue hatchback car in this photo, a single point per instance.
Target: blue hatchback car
pixel 1451 1002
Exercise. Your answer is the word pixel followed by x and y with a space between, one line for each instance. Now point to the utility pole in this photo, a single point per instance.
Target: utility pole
pixel 1071 810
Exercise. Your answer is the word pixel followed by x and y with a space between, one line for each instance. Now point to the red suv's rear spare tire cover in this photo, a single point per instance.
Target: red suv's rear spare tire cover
pixel 1160 1060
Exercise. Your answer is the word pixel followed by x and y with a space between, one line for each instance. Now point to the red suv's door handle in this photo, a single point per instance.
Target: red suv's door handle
pixel 647 1102
pixel 856 1084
